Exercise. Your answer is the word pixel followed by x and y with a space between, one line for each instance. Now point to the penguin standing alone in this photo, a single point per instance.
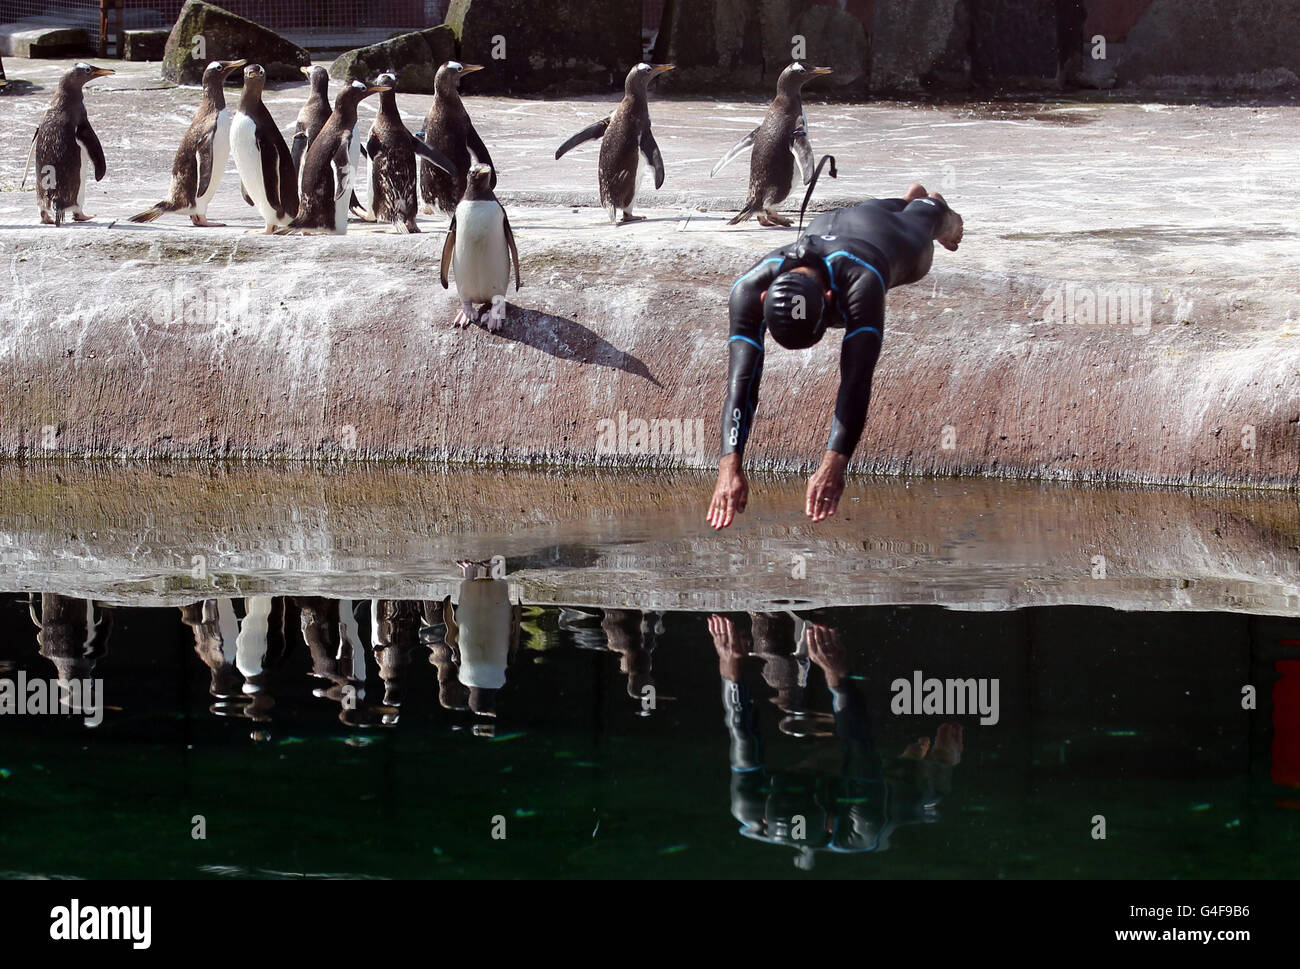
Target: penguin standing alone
pixel 777 143
pixel 480 248
pixel 262 158
pixel 447 129
pixel 201 159
pixel 328 170
pixel 627 146
pixel 390 159
pixel 66 147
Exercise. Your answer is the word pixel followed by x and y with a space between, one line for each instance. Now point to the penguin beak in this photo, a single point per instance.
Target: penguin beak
pixel 470 68
pixel 305 71
pixel 229 66
pixel 821 70
pixel 661 69
pixel 102 72
pixel 378 88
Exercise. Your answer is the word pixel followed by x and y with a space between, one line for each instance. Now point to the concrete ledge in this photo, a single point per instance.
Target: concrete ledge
pixel 167 341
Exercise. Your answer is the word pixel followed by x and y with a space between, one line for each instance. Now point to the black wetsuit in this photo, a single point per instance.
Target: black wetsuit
pixel 866 249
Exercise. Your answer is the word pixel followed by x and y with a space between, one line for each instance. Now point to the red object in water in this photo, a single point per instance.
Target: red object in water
pixel 1286 723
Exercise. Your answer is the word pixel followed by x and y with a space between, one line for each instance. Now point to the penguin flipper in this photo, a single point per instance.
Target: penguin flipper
pixel 510 242
pixel 299 147
pixel 448 247
pixel 203 152
pixel 86 135
pixel 244 192
pixel 743 145
pixel 288 180
pixel 452 636
pixel 586 134
pixel 31 152
pixel 270 176
pixel 342 168
pixel 435 157
pixel 650 148
pixel 803 155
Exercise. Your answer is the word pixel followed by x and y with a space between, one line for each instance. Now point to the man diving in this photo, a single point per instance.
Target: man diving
pixel 835 275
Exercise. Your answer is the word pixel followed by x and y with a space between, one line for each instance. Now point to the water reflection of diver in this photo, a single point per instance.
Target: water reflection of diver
pixel 482 635
pixel 810 808
pixel 72 634
pixel 239 653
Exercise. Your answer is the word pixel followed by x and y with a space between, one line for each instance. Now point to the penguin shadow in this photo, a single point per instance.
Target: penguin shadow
pixel 567 340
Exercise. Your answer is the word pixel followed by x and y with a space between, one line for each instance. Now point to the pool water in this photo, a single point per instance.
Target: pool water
pixel 317 736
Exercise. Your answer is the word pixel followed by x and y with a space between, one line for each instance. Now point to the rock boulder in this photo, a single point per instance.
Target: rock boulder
pixel 920 45
pixel 414 58
pixel 204 32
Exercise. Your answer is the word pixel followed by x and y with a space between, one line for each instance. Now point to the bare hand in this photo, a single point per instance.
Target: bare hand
pixel 825 650
pixel 732 646
pixel 731 493
pixel 826 487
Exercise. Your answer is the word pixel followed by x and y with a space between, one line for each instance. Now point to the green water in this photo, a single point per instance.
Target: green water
pixel 583 772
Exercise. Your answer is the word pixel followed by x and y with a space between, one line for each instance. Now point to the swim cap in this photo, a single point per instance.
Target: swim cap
pixel 793 310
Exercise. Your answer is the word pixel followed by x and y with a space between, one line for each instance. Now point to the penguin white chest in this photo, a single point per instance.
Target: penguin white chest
pixel 248 162
pixel 480 260
pixel 87 173
pixel 220 156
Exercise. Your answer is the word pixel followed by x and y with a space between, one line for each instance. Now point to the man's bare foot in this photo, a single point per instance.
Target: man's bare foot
pixel 203 221
pixel 950 232
pixel 914 191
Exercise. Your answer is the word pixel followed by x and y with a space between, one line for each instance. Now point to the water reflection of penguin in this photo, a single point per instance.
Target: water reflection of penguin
pixel 483 633
pixel 72 633
pixel 239 653
pixel 855 809
pixel 452 695
pixel 329 629
pixel 633 635
pixel 394 636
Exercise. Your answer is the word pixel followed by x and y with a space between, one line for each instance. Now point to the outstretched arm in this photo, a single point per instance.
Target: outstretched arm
pixel 744 373
pixel 864 313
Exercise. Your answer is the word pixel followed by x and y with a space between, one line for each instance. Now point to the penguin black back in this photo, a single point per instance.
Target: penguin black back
pixel 448 130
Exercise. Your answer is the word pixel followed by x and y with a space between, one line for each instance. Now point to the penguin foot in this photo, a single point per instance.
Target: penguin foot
pixel 467 315
pixel 496 320
pixel 203 221
pixel 45 219
pixel 629 217
pixel 81 217
pixel 770 218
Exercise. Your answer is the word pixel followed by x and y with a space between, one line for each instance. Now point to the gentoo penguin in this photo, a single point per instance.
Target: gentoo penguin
pixel 65 147
pixel 780 141
pixel 312 115
pixel 201 159
pixel 262 159
pixel 480 248
pixel 311 119
pixel 329 170
pixel 448 129
pixel 483 630
pixel 390 152
pixel 627 146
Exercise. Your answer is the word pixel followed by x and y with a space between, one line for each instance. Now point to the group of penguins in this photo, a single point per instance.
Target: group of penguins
pixel 309 186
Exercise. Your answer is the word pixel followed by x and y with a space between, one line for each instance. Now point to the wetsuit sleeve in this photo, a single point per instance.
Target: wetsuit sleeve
pixel 864 316
pixel 745 354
